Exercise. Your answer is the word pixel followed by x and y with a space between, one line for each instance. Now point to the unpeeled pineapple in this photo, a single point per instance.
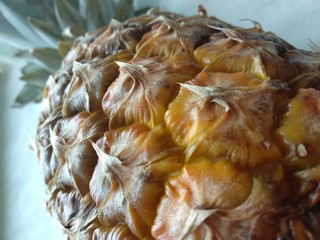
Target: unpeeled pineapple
pixel 172 127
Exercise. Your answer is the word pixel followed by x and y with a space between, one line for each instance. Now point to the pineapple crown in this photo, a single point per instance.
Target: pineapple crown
pixel 41 32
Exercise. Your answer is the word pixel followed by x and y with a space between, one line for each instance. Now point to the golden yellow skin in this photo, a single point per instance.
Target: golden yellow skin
pixel 172 127
pixel 300 130
pixel 134 183
pixel 233 121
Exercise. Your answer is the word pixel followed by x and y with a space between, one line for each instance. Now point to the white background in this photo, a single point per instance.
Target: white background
pixel 22 211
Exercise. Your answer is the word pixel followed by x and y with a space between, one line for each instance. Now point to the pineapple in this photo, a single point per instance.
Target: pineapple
pixel 173 127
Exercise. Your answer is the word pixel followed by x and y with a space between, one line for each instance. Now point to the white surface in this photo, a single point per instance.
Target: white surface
pixel 22 214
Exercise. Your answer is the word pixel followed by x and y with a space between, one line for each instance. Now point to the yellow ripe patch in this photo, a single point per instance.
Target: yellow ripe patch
pixel 133 165
pixel 144 89
pixel 228 116
pixel 299 131
pixel 214 184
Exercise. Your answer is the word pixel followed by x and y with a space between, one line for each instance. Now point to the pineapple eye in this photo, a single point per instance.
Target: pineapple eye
pixel 133 163
pixel 226 115
pixel 197 193
pixel 120 231
pixel 214 185
pixel 144 89
pixel 230 54
pixel 70 140
pixel 169 38
pixel 89 83
pixel 299 137
pixel 299 130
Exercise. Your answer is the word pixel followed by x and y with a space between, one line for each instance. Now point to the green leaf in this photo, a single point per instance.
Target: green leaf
pixel 15 41
pixel 99 13
pixel 10 36
pixel 75 4
pixel 35 75
pixel 20 24
pixel 314 47
pixel 48 58
pixel 27 7
pixel 124 10
pixel 73 32
pixel 29 93
pixel 67 15
pixel 7 54
pixel 141 11
pixel 82 7
pixel 48 32
pixel 64 47
pixel 46 8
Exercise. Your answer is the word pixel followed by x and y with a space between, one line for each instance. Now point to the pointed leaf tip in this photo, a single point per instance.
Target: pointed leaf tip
pixel 29 93
pixel 68 15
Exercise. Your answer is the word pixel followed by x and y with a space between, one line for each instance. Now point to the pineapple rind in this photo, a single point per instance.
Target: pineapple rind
pixel 182 128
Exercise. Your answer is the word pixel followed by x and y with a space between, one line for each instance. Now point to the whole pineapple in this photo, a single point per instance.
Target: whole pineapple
pixel 172 127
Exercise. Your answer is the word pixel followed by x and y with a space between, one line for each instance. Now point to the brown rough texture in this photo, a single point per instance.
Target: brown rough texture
pixel 172 127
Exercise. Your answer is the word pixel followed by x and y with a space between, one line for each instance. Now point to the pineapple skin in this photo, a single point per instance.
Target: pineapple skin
pixel 173 127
